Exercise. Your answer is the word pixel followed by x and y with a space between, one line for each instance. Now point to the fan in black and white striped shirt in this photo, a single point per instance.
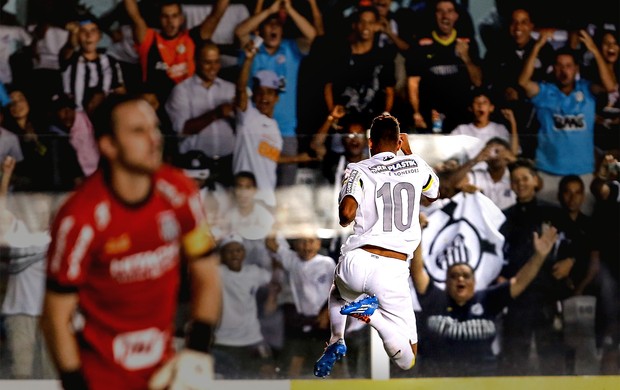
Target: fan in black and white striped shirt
pixel 85 69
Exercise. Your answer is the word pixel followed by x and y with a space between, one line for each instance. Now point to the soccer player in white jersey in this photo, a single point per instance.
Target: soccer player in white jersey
pixel 381 195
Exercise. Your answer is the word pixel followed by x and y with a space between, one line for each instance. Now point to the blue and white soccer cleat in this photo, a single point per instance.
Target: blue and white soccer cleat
pixel 361 309
pixel 333 353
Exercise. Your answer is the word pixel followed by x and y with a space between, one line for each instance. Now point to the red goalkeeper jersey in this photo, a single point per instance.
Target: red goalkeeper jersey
pixel 123 262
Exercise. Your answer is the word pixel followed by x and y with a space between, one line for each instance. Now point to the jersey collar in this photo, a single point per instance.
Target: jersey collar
pixel 384 156
pixel 445 42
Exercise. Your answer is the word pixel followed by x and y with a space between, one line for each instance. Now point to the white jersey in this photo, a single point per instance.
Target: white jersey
pixel 254 226
pixel 239 325
pixel 257 150
pixel 387 189
pixel 310 280
pixel 500 192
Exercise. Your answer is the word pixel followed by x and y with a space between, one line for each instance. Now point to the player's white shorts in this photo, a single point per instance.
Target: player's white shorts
pixel 360 272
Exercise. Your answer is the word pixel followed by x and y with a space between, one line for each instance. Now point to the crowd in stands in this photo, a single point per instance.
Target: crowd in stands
pixel 249 93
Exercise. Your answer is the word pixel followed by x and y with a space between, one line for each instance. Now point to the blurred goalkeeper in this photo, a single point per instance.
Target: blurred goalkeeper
pixel 117 244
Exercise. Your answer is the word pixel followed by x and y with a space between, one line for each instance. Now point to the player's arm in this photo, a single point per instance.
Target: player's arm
pixel 139 24
pixel 58 309
pixel 543 244
pixel 347 210
pixel 68 259
pixel 192 367
pixel 206 289
pixel 430 190
pixel 350 196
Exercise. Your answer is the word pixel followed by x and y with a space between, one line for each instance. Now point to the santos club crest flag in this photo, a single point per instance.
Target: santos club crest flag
pixel 464 230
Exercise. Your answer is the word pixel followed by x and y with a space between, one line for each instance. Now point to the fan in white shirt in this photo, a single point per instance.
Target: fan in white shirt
pixel 240 345
pixel 310 277
pixel 488 172
pixel 483 128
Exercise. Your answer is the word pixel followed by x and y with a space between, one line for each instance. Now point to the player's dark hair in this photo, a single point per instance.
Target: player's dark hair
pixel 245 175
pixel 103 119
pixel 384 130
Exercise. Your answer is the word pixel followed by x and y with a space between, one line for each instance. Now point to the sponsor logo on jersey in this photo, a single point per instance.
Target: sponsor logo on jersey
pixel 569 122
pixel 116 245
pixel 178 70
pixel 444 70
pixel 477 309
pixel 139 349
pixel 425 42
pixel 268 151
pixel 145 265
pixel 351 181
pixel 394 167
pixel 160 65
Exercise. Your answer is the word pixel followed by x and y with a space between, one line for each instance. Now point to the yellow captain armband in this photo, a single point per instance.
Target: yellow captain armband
pixel 429 184
pixel 199 241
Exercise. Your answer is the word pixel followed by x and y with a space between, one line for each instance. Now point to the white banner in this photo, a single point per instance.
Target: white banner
pixel 465 230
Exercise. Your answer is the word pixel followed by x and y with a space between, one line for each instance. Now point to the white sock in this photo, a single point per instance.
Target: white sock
pixel 338 322
pixel 396 345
